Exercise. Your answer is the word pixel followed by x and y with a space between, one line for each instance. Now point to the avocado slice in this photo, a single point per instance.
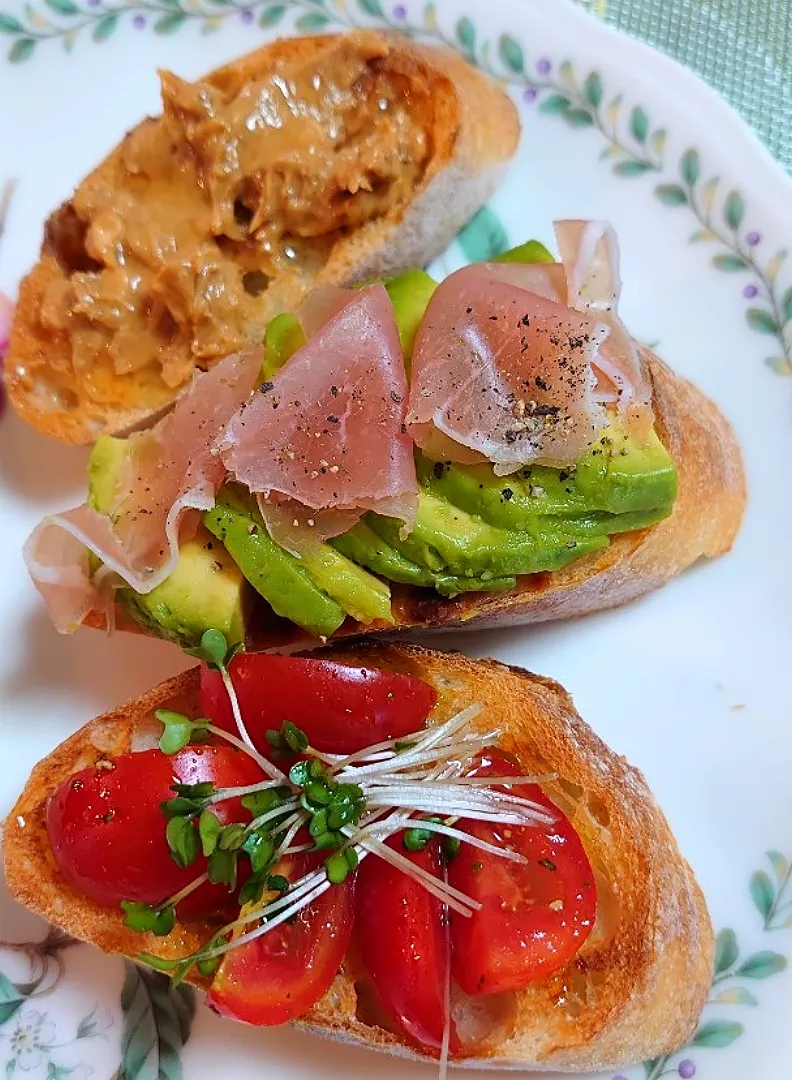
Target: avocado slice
pixel 617 476
pixel 363 546
pixel 277 575
pixel 532 251
pixel 448 539
pixel 206 589
pixel 620 475
pixel 410 294
pixel 363 596
pixel 282 338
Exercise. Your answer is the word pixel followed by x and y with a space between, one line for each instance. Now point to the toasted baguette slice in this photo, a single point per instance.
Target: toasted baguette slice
pixel 636 987
pixel 706 517
pixel 423 142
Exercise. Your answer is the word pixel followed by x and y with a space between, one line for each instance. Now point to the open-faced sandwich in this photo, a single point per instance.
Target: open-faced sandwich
pixel 403 849
pixel 494 449
pixel 315 160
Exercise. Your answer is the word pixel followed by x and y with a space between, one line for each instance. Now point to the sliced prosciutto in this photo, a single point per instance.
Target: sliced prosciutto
pixel 171 476
pixel 326 435
pixel 518 363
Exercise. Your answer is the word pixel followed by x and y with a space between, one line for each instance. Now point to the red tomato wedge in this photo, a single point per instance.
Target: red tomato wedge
pixel 339 707
pixel 107 830
pixel 403 944
pixel 281 975
pixel 534 916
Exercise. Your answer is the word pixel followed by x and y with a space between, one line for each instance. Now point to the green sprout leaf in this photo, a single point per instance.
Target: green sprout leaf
pixel 214 649
pixel 260 849
pixel 144 918
pixel 179 730
pixel 261 802
pixel 222 868
pixel 294 737
pixel 209 829
pixel 183 840
pixel 278 883
pixel 181 807
pixel 231 838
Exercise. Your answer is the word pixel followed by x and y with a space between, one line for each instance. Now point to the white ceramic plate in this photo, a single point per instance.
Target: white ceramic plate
pixel 693 684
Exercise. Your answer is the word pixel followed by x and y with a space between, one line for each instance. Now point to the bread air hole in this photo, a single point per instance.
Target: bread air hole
pixel 65 234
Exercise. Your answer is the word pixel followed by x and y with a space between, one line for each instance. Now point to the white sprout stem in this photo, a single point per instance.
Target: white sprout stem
pixel 291 832
pixel 296 849
pixel 237 792
pixel 185 892
pixel 422 739
pixel 450 803
pixel 455 899
pixel 456 834
pixel 272 770
pixel 278 811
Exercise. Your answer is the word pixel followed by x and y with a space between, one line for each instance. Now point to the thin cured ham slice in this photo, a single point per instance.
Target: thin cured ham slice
pixel 517 363
pixel 328 430
pixel 172 474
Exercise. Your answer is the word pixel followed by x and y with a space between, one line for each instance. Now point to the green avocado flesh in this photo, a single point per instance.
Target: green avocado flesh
pixel 474 531
pixel 206 589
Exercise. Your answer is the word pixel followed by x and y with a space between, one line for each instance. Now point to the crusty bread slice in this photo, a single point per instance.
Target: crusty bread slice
pixel 706 517
pixel 77 365
pixel 635 989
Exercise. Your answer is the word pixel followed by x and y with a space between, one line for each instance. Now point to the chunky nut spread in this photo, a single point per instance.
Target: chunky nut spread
pixel 166 252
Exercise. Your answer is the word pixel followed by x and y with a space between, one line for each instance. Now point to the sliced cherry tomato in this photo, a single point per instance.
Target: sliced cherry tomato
pixel 339 707
pixel 107 830
pixel 534 916
pixel 282 974
pixel 403 944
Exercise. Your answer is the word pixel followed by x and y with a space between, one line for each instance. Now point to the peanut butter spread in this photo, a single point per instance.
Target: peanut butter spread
pixel 164 256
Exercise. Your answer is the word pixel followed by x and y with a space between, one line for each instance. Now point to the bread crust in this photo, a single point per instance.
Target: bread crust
pixel 707 514
pixel 473 133
pixel 636 988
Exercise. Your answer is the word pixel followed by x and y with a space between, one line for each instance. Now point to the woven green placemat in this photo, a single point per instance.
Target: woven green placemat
pixel 741 47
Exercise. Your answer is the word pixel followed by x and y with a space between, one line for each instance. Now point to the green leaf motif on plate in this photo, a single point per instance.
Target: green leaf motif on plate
pixel 786 307
pixel 639 125
pixel 671 194
pixel 736 995
pixel 762 890
pixel 169 24
pixel 11 998
pixel 62 7
pixel 690 167
pixel 157 1022
pixel 554 104
pixel 729 262
pixel 592 89
pixel 762 965
pixel 578 118
pixel 21 50
pixel 762 321
pixel 271 16
pixel 511 54
pixel 10 25
pixel 632 168
pixel 105 27
pixel 733 210
pixel 717 1033
pixel 483 237
pixel 466 36
pixel 726 951
pixel 314 20
pixel 372 7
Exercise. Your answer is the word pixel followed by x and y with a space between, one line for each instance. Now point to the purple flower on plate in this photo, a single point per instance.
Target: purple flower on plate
pixel 94 3
pixel 246 15
pixel 687 1068
pixel 753 238
pixel 530 93
pixel 543 66
pixel 400 12
pixel 139 22
pixel 749 292
pixel 619 1076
